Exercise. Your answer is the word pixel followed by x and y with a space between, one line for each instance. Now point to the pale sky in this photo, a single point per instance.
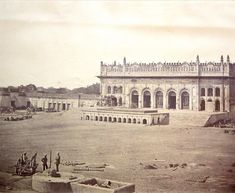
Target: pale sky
pixel 61 43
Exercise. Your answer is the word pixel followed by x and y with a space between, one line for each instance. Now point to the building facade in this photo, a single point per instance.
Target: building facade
pixel 59 102
pixel 196 86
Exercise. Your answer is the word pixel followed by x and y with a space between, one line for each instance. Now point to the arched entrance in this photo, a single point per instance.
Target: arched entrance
pixel 172 100
pixel 113 101
pixel 159 99
pixel 134 99
pixel 202 104
pixel 185 100
pixel 217 105
pixel 147 99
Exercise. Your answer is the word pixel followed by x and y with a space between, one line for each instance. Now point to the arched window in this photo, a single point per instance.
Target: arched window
pixel 109 89
pixel 134 99
pixel 217 92
pixel 147 99
pixel 209 92
pixel 115 90
pixel 120 89
pixel 202 91
pixel 159 99
pixel 185 100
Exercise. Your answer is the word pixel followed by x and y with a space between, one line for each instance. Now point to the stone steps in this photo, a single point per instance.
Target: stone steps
pixel 189 118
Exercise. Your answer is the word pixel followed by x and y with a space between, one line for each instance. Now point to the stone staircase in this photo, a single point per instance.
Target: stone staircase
pixel 188 118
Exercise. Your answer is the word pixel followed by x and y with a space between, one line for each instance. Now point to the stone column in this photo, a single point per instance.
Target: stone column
pixel 165 101
pixel 222 98
pixel 152 100
pixel 140 100
pixel 191 99
pixel 227 98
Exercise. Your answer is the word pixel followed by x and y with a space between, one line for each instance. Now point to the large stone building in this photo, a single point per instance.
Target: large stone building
pixel 18 99
pixel 196 86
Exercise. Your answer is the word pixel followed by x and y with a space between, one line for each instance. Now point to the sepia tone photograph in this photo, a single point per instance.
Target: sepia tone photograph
pixel 106 96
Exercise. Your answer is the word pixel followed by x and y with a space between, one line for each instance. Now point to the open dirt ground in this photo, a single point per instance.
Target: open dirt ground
pixel 127 148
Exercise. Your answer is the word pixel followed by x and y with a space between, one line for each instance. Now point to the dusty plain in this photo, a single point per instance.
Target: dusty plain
pixel 128 149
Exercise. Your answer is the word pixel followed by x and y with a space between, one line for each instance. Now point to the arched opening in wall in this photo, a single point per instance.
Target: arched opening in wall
pixel 217 105
pixel 105 119
pixel 110 119
pixel 96 118
pixel 115 90
pixel 114 119
pixel 124 120
pixel 63 107
pixel 134 120
pixel 134 99
pixel 120 101
pixel 120 89
pixel 172 100
pixel 113 101
pixel 129 120
pixel 185 100
pixel 147 99
pixel 202 104
pixel 159 99
pixel 202 91
pixel 144 121
pixel 87 117
pixel 109 90
pixel 210 92
pixel 119 120
pixel 101 118
pixel 217 92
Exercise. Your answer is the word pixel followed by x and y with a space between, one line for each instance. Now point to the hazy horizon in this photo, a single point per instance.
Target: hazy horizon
pixel 61 43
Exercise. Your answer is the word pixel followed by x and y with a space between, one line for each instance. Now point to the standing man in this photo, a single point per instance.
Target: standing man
pixel 57 161
pixel 44 162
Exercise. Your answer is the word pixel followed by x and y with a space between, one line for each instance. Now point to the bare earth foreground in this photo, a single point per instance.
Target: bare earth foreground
pixel 128 149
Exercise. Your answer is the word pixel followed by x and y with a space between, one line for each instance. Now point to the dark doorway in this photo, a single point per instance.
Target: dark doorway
pixel 217 105
pixel 28 104
pixel 202 105
pixel 13 104
pixel 63 106
pixel 147 99
pixel 134 99
pixel 159 99
pixel 113 101
pixel 185 100
pixel 172 100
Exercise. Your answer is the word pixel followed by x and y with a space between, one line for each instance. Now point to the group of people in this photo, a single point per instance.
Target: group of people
pixel 57 162
pixel 24 163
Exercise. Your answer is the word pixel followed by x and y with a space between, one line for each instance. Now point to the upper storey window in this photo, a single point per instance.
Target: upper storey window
pixel 217 92
pixel 120 89
pixel 210 92
pixel 115 90
pixel 109 89
pixel 202 91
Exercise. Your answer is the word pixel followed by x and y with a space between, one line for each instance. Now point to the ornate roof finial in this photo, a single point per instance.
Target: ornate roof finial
pixel 198 61
pixel 222 59
pixel 228 59
pixel 124 60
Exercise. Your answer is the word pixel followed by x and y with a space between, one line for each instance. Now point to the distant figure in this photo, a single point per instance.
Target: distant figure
pixel 57 161
pixel 18 165
pixel 158 121
pixel 44 162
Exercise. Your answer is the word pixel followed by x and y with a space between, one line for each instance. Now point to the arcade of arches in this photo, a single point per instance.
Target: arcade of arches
pixel 157 100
